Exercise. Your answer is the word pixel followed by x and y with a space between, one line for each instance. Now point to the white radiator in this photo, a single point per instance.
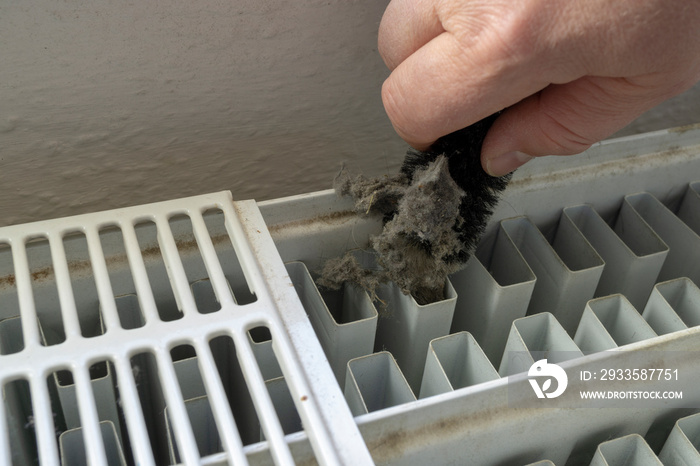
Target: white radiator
pixel 191 331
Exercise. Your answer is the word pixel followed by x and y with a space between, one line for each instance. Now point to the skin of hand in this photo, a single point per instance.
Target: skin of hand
pixel 568 73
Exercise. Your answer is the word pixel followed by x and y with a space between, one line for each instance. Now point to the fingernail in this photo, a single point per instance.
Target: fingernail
pixel 506 163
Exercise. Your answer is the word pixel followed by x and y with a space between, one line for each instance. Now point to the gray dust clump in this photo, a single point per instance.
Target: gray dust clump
pixel 419 242
pixel 434 212
pixel 372 195
pixel 347 268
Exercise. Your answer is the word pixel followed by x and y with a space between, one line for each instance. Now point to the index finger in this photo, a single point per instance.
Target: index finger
pixel 445 86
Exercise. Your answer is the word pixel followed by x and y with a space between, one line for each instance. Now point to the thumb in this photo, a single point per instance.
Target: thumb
pixel 563 120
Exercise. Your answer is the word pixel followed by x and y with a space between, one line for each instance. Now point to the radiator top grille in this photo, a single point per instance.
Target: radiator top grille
pixel 183 337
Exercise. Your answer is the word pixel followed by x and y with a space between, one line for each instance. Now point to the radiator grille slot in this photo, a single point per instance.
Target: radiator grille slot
pixel 192 332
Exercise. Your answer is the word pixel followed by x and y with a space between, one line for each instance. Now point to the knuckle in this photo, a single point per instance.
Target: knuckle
pixel 506 28
pixel 561 137
pixel 389 99
pixel 395 106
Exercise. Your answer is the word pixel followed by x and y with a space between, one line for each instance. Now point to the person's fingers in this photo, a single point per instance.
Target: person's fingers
pixel 406 26
pixel 443 87
pixel 564 120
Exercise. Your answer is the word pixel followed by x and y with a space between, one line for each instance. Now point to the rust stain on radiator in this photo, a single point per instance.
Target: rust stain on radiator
pixel 7 281
pixel 627 166
pixel 400 443
pixel 42 274
pixel 339 217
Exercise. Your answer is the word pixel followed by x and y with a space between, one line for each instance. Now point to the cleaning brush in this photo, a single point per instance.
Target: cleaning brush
pixel 434 213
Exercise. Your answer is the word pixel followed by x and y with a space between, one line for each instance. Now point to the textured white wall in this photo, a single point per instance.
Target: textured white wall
pixel 106 104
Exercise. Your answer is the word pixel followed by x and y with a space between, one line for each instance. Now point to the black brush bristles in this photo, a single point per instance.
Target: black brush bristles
pixel 482 191
pixel 434 211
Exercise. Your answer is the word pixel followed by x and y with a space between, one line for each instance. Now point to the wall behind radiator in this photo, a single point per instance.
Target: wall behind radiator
pixel 106 104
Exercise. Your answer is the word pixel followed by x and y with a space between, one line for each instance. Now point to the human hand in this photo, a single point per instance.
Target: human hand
pixel 568 73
